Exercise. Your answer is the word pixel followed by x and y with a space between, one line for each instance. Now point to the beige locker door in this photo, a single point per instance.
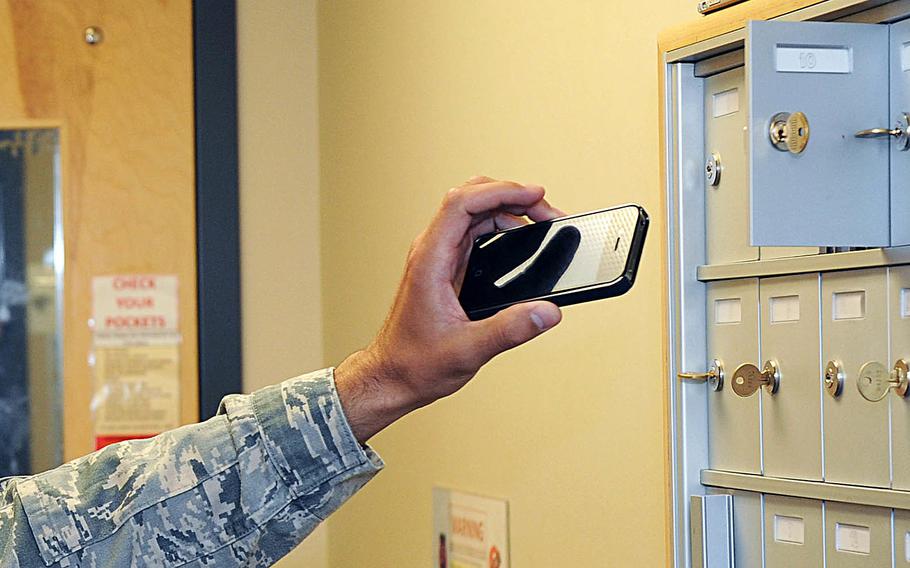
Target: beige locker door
pixel 727 201
pixel 855 332
pixel 857 536
pixel 734 432
pixel 124 110
pixel 791 418
pixel 794 532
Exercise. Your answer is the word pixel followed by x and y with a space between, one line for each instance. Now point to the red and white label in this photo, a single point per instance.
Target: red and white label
pixel 135 304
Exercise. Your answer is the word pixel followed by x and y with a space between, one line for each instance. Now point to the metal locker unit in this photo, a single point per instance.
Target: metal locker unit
pixel 812 85
pixel 854 341
pixel 790 337
pixel 899 318
pixel 822 101
pixel 901 538
pixel 794 532
pixel 857 536
pixel 734 430
pixel 747 527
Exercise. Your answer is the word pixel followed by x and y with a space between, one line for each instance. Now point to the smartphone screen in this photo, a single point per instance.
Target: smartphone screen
pixel 595 253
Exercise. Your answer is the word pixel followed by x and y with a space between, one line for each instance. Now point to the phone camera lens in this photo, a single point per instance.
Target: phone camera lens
pixel 478 273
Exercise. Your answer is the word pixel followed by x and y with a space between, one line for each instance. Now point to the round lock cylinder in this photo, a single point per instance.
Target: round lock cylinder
pixel 834 378
pixel 789 132
pixel 900 378
pixel 713 170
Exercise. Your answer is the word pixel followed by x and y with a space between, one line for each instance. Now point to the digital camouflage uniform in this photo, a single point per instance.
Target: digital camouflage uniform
pixel 241 489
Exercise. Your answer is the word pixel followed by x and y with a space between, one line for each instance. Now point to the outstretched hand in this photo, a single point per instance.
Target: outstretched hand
pixel 428 348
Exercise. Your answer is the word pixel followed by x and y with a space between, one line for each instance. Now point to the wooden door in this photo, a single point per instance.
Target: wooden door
pixel 124 110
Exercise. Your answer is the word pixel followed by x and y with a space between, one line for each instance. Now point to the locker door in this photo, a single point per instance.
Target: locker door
pixel 791 418
pixel 899 308
pixel 855 332
pixel 835 191
pixel 794 532
pixel 900 158
pixel 734 432
pixel 857 536
pixel 727 194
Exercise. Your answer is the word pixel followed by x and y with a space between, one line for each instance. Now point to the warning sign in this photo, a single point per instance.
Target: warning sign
pixel 141 307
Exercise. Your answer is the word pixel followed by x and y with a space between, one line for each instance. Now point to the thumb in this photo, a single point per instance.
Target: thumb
pixel 516 325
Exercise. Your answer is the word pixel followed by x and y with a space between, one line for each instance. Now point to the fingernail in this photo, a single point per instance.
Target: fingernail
pixel 538 321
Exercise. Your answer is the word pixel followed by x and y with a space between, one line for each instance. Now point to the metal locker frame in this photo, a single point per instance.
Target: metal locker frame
pixel 686 56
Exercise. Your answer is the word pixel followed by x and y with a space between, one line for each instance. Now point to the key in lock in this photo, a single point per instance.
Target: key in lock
pixel 875 380
pixel 789 132
pixel 747 378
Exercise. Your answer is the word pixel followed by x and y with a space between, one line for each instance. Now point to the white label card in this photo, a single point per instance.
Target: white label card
pixel 791 530
pixel 853 538
pixel 905 302
pixel 850 305
pixel 726 102
pixel 784 309
pixel 809 59
pixel 905 57
pixel 907 547
pixel 728 310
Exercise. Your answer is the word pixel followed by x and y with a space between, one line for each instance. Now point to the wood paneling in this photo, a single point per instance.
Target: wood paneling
pixel 125 109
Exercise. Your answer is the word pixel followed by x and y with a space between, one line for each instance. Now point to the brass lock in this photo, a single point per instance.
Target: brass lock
pixel 714 377
pixel 789 132
pixel 747 378
pixel 834 378
pixel 874 380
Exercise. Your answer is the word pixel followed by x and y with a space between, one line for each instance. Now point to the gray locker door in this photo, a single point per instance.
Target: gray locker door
pixel 901 538
pixel 900 349
pixel 734 430
pixel 794 532
pixel 900 160
pixel 857 536
pixel 727 201
pixel 834 193
pixel 791 417
pixel 854 332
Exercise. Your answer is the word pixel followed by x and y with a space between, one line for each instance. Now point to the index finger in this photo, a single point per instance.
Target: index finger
pixel 463 205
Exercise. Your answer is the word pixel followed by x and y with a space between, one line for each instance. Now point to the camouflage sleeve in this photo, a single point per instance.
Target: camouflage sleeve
pixel 241 489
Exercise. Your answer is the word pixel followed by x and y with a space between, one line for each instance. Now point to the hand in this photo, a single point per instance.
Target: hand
pixel 427 347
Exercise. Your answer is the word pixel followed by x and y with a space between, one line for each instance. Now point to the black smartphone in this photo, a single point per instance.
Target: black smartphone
pixel 569 260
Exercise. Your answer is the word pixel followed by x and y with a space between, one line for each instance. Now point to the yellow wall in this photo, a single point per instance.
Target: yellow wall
pixel 415 97
pixel 279 202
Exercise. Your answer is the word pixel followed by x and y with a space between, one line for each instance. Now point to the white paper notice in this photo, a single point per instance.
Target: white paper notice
pixel 728 310
pixel 853 538
pixel 905 302
pixel 136 356
pixel 470 531
pixel 137 390
pixel 850 305
pixel 140 308
pixel 784 309
pixel 791 530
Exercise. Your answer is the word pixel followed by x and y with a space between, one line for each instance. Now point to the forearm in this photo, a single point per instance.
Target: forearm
pixel 251 482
